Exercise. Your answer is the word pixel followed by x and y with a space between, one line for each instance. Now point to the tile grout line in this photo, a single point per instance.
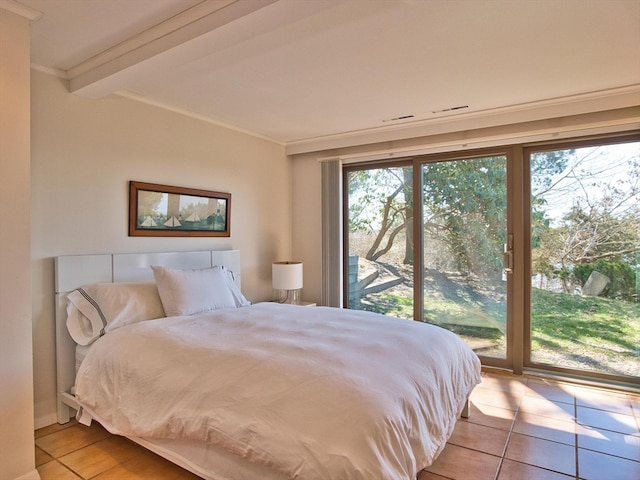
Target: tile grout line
pixel 587 449
pixel 57 460
pixel 575 434
pixel 93 442
pixel 513 424
pixel 574 421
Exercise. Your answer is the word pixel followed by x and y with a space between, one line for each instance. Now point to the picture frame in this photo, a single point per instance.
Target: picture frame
pixel 167 211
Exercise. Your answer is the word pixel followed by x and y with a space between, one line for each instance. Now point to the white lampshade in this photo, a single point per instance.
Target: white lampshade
pixel 286 275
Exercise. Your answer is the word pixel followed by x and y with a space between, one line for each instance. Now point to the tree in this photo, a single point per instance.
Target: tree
pixel 581 210
pixel 465 202
pixel 408 196
pixel 464 209
pixel 583 238
pixel 598 188
pixel 380 203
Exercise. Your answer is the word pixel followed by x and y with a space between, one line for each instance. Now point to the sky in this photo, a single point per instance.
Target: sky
pixel 591 175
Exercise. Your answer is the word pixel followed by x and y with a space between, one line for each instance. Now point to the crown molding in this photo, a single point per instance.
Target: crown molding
pixel 142 99
pixel 598 123
pixel 612 99
pixel 55 72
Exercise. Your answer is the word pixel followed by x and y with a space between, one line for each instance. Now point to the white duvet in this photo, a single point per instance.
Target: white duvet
pixel 314 393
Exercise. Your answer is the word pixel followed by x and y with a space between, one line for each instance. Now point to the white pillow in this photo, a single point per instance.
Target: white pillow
pixel 96 309
pixel 84 329
pixel 238 297
pixel 186 292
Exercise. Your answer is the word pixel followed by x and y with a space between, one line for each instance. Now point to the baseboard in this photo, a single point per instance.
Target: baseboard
pixel 45 421
pixel 33 475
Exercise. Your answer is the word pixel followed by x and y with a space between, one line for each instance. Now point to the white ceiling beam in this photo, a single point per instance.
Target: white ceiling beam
pixel 102 74
pixel 14 7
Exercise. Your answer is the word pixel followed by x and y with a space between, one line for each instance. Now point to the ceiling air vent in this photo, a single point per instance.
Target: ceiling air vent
pixel 450 109
pixel 395 119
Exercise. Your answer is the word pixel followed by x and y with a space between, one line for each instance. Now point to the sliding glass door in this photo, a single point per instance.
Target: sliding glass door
pixel 531 254
pixel 585 258
pixel 464 233
pixel 455 211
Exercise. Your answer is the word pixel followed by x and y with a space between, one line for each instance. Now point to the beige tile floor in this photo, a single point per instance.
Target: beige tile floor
pixel 520 429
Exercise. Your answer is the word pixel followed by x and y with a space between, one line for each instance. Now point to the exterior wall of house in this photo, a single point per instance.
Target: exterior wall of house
pixel 85 152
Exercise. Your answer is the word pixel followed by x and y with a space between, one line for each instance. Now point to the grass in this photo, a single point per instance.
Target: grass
pixel 589 332
pixel 572 331
pixel 386 303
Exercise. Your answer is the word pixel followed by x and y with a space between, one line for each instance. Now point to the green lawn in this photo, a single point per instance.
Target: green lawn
pixel 572 331
pixel 587 332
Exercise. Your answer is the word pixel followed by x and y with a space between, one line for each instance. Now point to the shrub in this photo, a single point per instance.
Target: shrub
pixel 622 276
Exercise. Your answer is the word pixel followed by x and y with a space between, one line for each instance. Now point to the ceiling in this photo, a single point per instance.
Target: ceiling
pixel 302 70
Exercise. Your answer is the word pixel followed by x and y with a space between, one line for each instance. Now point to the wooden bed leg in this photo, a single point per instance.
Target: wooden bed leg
pixel 466 411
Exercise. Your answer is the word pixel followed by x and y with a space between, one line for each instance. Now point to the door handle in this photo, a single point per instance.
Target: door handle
pixel 507 256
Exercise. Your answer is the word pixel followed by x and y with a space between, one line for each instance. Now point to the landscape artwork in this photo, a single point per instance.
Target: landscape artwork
pixel 163 210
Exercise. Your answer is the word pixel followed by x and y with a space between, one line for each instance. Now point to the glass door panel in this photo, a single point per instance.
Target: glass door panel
pixel 379 210
pixel 464 219
pixel 585 258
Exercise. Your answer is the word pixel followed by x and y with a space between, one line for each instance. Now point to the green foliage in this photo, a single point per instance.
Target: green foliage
pixel 465 201
pixel 464 212
pixel 622 277
pixel 585 238
pixel 539 222
pixel 545 166
pixel 369 191
pixel 380 203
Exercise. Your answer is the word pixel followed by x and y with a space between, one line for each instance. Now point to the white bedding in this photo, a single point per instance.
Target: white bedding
pixel 313 393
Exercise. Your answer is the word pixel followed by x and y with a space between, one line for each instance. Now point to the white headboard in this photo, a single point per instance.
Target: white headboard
pixel 73 271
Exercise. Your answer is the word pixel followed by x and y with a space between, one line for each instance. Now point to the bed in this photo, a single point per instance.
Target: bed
pixel 177 360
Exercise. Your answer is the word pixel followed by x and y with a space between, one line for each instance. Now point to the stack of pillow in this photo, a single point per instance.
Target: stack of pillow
pixel 97 309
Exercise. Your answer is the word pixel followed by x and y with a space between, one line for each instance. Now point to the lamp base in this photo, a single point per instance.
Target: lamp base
pixel 293 297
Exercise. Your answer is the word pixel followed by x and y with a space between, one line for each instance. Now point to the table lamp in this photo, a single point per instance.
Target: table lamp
pixel 287 282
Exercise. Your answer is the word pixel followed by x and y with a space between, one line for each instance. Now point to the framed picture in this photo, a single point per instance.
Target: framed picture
pixel 166 211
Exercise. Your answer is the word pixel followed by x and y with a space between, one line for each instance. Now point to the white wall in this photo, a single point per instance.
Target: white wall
pixel 84 153
pixel 16 370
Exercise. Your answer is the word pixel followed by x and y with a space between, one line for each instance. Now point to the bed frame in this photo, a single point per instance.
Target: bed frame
pixel 73 271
